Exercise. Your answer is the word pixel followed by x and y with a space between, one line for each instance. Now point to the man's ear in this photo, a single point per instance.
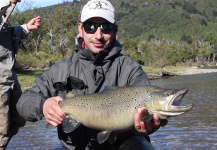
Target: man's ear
pixel 80 28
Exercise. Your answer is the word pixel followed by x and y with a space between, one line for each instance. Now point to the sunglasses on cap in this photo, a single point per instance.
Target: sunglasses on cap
pixel 91 27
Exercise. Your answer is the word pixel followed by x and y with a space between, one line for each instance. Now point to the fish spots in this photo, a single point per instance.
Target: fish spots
pixel 104 98
pixel 134 99
pixel 118 111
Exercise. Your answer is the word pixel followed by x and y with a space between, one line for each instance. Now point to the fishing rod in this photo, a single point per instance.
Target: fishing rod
pixel 4 24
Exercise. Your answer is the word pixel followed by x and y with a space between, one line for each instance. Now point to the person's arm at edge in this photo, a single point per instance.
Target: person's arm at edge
pixel 24 30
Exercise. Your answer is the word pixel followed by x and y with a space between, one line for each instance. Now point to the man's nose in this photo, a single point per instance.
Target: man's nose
pixel 98 33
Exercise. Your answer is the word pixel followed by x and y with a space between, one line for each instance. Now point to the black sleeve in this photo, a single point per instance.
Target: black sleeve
pixel 32 100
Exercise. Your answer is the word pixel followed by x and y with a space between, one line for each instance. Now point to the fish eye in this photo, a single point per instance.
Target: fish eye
pixel 167 93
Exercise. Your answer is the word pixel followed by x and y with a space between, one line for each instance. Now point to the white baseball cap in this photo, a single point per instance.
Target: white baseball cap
pixel 98 8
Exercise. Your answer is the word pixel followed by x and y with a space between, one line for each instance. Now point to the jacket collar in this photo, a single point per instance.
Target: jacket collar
pixel 103 56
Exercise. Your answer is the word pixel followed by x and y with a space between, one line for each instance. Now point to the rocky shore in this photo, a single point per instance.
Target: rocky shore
pixel 196 70
pixel 168 72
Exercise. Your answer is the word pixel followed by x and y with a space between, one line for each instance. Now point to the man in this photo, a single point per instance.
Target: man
pixel 10 90
pixel 96 64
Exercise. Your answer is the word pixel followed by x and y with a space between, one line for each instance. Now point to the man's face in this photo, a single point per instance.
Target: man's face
pixel 96 41
pixel 15 1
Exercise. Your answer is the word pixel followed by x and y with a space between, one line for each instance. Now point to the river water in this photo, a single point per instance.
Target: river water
pixel 194 130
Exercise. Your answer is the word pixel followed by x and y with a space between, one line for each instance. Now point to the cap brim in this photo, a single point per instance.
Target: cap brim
pixel 98 13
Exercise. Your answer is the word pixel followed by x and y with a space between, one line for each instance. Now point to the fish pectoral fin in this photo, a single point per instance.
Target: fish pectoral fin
pixel 163 122
pixel 145 116
pixel 69 124
pixel 106 136
pixel 112 137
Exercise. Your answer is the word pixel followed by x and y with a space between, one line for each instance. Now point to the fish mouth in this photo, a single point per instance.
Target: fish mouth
pixel 173 107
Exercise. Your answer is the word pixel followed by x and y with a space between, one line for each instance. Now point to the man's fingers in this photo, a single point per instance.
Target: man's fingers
pixel 147 123
pixel 53 123
pixel 53 119
pixel 144 122
pixel 143 127
pixel 51 115
pixel 156 120
pixel 34 23
pixel 52 111
pixel 138 123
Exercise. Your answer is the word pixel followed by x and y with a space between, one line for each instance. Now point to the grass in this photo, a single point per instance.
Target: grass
pixel 151 71
pixel 26 78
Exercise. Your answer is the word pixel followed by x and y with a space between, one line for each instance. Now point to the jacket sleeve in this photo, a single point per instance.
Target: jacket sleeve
pixel 133 74
pixel 21 31
pixel 31 101
pixel 138 76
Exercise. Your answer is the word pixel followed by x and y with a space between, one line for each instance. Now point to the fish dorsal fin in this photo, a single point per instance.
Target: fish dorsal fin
pixel 69 124
pixel 70 95
pixel 106 136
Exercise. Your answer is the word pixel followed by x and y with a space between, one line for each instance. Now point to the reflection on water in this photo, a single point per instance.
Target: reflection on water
pixel 196 129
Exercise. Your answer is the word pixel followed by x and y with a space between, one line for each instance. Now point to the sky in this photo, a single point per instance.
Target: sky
pixel 40 3
pixel 43 3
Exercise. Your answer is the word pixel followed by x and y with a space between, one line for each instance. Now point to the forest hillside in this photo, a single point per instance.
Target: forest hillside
pixel 153 32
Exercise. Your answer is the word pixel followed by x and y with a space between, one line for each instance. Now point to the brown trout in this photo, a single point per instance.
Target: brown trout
pixel 113 110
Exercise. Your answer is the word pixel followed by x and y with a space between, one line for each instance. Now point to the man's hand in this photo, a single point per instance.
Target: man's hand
pixel 145 126
pixel 34 23
pixel 52 111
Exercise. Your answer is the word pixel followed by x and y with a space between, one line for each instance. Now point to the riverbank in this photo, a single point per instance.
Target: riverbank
pixel 195 70
pixel 155 73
